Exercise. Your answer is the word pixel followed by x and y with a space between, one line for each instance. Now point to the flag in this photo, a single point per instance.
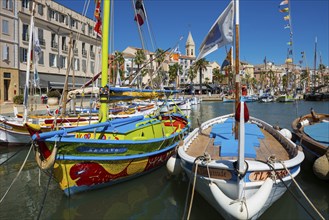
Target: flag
pixel 290 52
pixel 302 54
pixel 140 13
pixel 220 34
pixel 36 44
pixel 287 26
pixel 97 14
pixel 284 10
pixel 285 2
pixel 289 43
pixel 227 61
pixel 286 18
pixel 175 56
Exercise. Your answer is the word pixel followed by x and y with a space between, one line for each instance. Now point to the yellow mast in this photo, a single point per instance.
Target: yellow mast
pixel 104 91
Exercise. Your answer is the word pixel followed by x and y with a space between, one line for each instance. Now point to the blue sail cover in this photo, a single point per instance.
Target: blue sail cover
pixel 319 132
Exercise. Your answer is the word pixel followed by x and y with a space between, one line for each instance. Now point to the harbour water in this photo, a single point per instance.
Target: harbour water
pixel 156 195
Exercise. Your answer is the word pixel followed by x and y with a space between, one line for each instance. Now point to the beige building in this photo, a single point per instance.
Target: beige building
pixel 54 24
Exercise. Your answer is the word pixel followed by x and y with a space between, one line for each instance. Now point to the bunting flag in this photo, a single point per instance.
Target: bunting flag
pixel 286 18
pixel 289 43
pixel 302 53
pixel 285 2
pixel 140 13
pixel 284 10
pixel 97 14
pixel 287 26
pixel 220 34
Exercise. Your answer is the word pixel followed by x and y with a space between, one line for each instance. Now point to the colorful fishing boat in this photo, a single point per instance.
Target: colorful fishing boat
pixel 240 164
pixel 111 151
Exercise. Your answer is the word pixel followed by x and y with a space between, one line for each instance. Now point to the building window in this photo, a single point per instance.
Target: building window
pixel 41 58
pixel 7 75
pixel 90 29
pixel 63 62
pixel 5 27
pixel 7 4
pixel 76 64
pixel 62 18
pixel 40 9
pixel 192 52
pixel 40 37
pixel 23 54
pixel 92 66
pixel 64 47
pixel 52 60
pixel 53 41
pixel 83 27
pixel 25 34
pixel 53 15
pixel 84 66
pixel 5 52
pixel 25 3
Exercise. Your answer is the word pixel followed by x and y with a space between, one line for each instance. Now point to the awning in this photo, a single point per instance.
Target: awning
pixel 54 80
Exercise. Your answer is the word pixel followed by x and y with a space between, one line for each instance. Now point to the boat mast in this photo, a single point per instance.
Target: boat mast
pixel 237 61
pixel 239 127
pixel 28 65
pixel 103 113
pixel 314 73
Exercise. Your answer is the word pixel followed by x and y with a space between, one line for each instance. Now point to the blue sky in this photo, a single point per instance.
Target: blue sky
pixel 262 30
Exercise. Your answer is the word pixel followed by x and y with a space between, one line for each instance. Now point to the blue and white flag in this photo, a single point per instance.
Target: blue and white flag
pixel 220 34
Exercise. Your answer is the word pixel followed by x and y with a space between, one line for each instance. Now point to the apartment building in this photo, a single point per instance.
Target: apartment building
pixel 55 27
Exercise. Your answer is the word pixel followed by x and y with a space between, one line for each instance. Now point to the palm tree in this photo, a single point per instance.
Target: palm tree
pixel 217 75
pixel 201 65
pixel 140 58
pixel 174 71
pixel 119 61
pixel 160 57
pixel 191 74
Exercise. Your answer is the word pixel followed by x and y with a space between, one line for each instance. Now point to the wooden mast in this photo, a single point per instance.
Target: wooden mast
pixel 103 113
pixel 237 62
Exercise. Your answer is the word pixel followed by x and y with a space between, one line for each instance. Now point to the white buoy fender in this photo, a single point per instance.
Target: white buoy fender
pixel 173 165
pixel 286 133
pixel 252 205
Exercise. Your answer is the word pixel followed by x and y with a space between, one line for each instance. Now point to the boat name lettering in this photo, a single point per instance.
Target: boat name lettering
pixel 263 175
pixel 215 173
pixel 6 126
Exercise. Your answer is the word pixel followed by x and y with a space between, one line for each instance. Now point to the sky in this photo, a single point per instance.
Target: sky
pixel 262 32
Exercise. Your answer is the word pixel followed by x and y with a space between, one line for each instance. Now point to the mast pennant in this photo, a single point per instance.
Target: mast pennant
pixel 220 34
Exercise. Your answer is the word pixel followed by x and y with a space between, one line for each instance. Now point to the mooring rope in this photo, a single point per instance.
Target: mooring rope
pixel 305 196
pixel 193 190
pixel 293 195
pixel 19 172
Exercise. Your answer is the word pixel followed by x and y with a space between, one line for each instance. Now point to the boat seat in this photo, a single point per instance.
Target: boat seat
pixel 229 148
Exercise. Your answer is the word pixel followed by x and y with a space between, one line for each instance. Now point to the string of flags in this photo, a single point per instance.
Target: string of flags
pixel 284 8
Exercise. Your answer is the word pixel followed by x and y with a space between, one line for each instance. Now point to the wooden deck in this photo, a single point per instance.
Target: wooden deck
pixel 269 146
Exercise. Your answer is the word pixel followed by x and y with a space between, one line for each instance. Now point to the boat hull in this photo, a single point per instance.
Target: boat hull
pixel 75 176
pixel 217 180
